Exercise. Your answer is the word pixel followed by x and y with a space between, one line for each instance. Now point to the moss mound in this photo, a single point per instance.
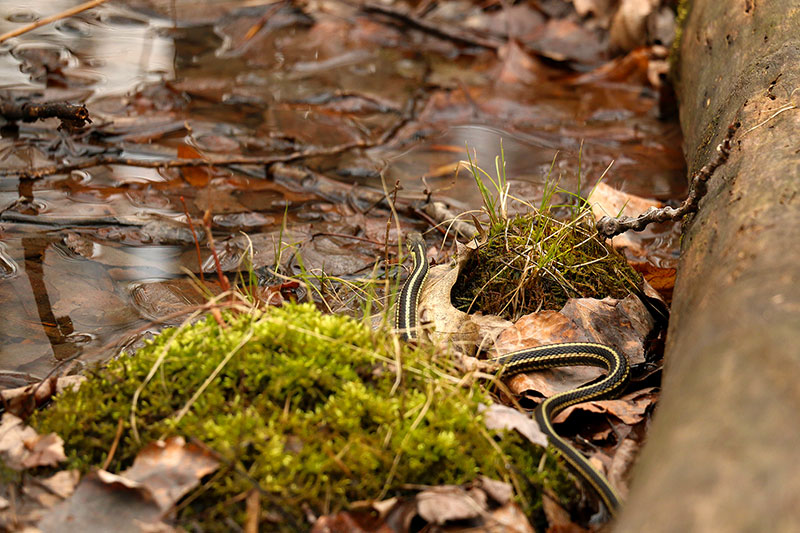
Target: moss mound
pixel 534 261
pixel 313 408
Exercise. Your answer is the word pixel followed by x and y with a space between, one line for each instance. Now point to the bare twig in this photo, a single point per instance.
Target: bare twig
pixel 47 20
pixel 220 161
pixel 113 449
pixel 610 226
pixel 71 115
pixel 436 29
pixel 196 241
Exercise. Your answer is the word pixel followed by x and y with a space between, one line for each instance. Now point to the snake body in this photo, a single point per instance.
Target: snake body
pixel 532 359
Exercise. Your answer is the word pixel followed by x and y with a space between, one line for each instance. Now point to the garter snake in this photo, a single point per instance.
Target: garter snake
pixel 531 359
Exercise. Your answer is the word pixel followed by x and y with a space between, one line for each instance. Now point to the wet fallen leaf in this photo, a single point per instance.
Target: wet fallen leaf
pixel 501 417
pixel 157 299
pixel 517 65
pixel 566 40
pixel 21 447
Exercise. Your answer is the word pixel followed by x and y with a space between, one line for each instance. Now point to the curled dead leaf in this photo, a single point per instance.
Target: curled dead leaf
pixel 449 502
pixel 21 447
pixel 630 409
pixel 445 324
pixel 501 417
pixel 104 502
pixel 21 401
pixel 169 469
pixel 136 499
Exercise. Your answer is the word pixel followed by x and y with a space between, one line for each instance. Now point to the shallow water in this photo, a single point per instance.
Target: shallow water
pixel 89 257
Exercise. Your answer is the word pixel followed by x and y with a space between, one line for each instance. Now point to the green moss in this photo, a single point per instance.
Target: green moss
pixel 310 407
pixel 535 262
pixel 682 13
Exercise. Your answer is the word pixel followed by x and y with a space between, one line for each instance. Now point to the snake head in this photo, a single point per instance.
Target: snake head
pixel 413 239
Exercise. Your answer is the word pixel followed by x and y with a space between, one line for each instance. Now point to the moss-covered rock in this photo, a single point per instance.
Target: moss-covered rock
pixel 318 410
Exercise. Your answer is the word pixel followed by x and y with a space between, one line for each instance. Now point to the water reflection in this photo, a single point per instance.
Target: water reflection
pixel 108 49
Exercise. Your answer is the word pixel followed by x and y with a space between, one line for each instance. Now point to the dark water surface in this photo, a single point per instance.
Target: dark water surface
pixel 90 257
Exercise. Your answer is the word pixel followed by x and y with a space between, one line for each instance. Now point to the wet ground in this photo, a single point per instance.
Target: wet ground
pixel 341 103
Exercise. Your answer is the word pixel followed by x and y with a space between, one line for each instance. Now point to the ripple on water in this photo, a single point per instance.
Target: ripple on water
pixel 8 267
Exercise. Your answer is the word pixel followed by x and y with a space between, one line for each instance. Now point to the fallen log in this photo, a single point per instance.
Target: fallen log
pixel 722 453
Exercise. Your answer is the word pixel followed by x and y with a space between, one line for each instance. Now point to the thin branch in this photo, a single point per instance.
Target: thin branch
pixel 110 159
pixel 609 226
pixel 47 20
pixel 74 116
pixel 432 28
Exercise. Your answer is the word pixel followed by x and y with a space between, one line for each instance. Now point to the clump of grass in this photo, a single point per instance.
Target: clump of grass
pixel 314 410
pixel 537 260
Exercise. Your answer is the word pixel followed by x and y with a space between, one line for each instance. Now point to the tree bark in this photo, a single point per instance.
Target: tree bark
pixel 722 454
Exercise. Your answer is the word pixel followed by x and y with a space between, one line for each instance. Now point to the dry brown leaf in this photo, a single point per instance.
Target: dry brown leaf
pixel 660 279
pixel 445 324
pixel 104 502
pixel 607 201
pixel 13 434
pixel 450 502
pixel 557 517
pixel 630 409
pixel 629 26
pixel 622 324
pixel 351 522
pixel 47 493
pixel 135 500
pixel 63 483
pixel 43 450
pixel 599 10
pixel 624 457
pixel 499 491
pixel 501 417
pixel 507 519
pixel 21 447
pixel 22 401
pixel 169 469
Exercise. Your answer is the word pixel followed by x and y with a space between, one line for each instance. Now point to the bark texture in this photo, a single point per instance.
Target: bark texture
pixel 724 450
